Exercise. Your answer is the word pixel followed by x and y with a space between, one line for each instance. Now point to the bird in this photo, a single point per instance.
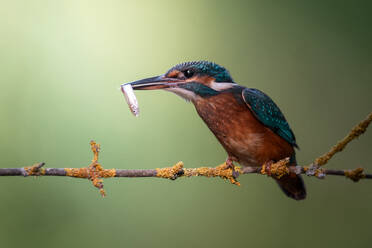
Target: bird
pixel 247 123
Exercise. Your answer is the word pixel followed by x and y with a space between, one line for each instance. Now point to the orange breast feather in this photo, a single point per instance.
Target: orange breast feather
pixel 244 137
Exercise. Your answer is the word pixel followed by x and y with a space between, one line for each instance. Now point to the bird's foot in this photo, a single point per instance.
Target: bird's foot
pixel 228 165
pixel 266 168
pixel 276 169
pixel 228 171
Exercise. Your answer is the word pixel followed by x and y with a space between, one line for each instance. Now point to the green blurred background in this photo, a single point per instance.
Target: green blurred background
pixel 61 66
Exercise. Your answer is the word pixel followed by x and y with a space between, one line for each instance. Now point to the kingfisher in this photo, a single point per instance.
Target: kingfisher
pixel 247 123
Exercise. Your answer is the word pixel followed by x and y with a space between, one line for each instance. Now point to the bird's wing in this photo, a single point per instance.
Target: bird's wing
pixel 268 113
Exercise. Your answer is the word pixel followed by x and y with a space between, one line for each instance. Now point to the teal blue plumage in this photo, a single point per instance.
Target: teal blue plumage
pixel 200 89
pixel 268 113
pixel 219 73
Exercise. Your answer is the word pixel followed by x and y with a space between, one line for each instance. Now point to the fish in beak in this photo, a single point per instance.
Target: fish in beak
pixel 153 83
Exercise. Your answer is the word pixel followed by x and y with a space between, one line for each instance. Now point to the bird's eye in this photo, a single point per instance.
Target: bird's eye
pixel 188 73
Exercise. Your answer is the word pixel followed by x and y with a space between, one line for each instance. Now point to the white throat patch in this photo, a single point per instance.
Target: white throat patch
pixel 221 86
pixel 185 94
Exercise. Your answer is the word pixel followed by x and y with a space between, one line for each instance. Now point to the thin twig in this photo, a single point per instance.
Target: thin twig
pixel 353 134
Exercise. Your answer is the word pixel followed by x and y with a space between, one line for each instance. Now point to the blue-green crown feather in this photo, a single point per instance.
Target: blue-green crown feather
pixel 269 114
pixel 220 73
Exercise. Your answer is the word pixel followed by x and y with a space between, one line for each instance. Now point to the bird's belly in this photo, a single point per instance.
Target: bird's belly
pixel 244 150
pixel 241 143
pixel 245 139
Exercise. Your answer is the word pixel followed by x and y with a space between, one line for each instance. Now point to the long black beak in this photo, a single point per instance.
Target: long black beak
pixel 154 83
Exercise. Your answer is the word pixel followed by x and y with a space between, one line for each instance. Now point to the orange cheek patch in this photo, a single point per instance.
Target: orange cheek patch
pixel 173 74
pixel 206 80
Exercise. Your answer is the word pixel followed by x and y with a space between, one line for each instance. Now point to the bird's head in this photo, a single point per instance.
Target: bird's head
pixel 190 80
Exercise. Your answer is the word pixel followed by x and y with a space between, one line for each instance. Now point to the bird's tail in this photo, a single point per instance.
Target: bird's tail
pixel 293 186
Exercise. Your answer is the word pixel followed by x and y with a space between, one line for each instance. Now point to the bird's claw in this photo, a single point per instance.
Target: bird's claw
pixel 229 172
pixel 177 174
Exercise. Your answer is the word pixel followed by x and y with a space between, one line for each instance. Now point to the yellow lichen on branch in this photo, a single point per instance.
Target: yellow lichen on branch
pixel 354 133
pixel 221 171
pixel 355 174
pixel 276 170
pixel 95 149
pixel 95 168
pixel 94 172
pixel 107 173
pixel 170 172
pixel 178 171
pixel 314 171
pixel 77 172
pixel 83 172
pixel 35 169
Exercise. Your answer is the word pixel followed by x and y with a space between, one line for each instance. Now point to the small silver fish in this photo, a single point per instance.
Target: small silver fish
pixel 131 99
